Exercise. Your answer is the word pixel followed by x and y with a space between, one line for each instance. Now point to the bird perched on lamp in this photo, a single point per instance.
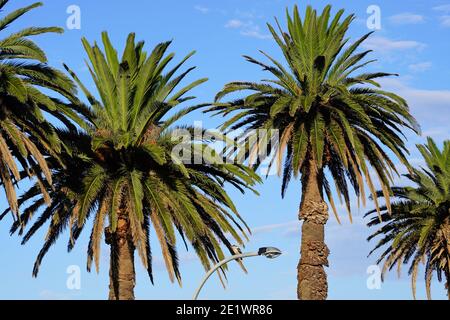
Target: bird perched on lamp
pixel 237 250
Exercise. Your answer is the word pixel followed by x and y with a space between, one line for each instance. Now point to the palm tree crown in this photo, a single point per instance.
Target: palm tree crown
pixel 23 129
pixel 123 169
pixel 418 230
pixel 322 108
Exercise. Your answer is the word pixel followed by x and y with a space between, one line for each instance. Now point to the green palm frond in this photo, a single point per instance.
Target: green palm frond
pixel 418 230
pixel 25 135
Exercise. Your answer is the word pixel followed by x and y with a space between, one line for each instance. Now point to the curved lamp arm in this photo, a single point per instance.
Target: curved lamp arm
pixel 221 263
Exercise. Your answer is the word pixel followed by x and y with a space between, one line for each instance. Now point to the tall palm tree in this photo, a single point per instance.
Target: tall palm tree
pixel 23 128
pixel 123 169
pixel 328 118
pixel 418 229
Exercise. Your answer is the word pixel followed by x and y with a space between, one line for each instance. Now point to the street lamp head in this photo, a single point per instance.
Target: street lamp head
pixel 269 252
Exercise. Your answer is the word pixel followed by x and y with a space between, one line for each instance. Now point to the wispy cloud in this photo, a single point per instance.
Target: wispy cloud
pixel 420 67
pixel 285 226
pixel 442 8
pixel 255 32
pixel 234 24
pixel 248 14
pixel 406 18
pixel 382 44
pixel 444 19
pixel 247 28
pixel 425 104
pixel 201 9
pixel 184 258
pixel 436 133
pixel 390 49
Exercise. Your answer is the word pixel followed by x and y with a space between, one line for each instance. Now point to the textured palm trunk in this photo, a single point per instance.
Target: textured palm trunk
pixel 311 276
pixel 121 273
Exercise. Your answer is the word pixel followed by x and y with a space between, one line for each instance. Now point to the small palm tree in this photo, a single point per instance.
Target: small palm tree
pixel 418 227
pixel 24 132
pixel 122 169
pixel 328 118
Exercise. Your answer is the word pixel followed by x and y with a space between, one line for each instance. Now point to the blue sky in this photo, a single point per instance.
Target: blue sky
pixel 412 42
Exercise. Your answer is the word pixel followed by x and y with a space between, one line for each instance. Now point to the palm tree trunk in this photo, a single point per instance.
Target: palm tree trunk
pixel 311 276
pixel 121 273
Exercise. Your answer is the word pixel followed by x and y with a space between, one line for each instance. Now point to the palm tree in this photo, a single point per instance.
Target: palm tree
pixel 24 132
pixel 328 118
pixel 123 169
pixel 418 230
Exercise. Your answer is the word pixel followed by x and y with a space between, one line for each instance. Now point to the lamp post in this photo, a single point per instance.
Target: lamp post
pixel 268 252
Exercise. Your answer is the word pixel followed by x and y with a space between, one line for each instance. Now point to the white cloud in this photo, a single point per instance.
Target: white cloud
pixel 445 20
pixel 443 8
pixel 255 32
pixel 407 18
pixel 420 67
pixel 272 227
pixel 382 44
pixel 183 258
pixel 202 9
pixel 234 24
pixel 247 28
pixel 436 133
pixel 248 14
pixel 430 107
